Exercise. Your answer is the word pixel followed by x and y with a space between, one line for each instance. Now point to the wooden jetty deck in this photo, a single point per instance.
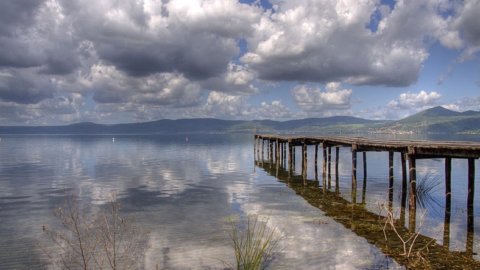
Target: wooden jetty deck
pixel 277 145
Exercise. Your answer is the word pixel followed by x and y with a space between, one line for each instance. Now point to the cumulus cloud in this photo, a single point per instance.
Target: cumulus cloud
pixel 151 59
pixel 195 38
pixel 312 99
pixel 415 101
pixel 325 41
pixel 113 86
pixel 21 88
pixel 466 24
pixel 464 104
pixel 237 107
pixel 63 109
pixel 404 105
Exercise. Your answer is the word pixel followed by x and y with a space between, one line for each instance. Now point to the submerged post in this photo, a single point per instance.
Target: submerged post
pixel 324 171
pixel 448 202
pixel 304 169
pixel 354 173
pixel 412 203
pixel 337 157
pixel 316 161
pixel 364 165
pixel 390 180
pixel 329 162
pixel 470 213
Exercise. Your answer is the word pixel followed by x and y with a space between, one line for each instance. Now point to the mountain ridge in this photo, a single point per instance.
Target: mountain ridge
pixel 433 120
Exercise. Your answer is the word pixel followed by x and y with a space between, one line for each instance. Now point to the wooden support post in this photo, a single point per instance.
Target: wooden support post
pixel 354 173
pixel 277 151
pixel 284 153
pixel 448 202
pixel 290 156
pixel 270 142
pixel 364 165
pixel 448 179
pixel 403 200
pixel 470 213
pixel 263 147
pixel 337 157
pixel 390 180
pixel 390 166
pixel 255 141
pixel 293 158
pixel 329 162
pixel 316 162
pixel 324 171
pixel 305 150
pixel 412 199
pixel 471 181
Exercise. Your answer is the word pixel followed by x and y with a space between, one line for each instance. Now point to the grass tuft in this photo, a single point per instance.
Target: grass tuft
pixel 254 245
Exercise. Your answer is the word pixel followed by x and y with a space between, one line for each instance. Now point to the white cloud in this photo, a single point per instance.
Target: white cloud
pixel 415 101
pixel 329 40
pixel 225 105
pixel 313 99
pixel 464 104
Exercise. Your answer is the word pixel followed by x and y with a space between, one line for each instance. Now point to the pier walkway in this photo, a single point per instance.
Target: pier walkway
pixel 276 147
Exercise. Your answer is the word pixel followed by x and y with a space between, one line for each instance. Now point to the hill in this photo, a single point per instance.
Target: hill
pixel 433 120
pixel 203 125
pixel 436 120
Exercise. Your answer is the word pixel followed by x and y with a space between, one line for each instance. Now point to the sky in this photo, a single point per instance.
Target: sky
pixel 110 61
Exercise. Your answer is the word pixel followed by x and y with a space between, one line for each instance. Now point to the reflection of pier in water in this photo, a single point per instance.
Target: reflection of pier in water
pixel 355 216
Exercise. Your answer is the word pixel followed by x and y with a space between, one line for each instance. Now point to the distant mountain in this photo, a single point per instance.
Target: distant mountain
pixel 436 120
pixel 203 125
pixel 433 120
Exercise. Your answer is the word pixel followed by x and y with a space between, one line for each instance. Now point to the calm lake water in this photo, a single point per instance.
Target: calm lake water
pixel 183 192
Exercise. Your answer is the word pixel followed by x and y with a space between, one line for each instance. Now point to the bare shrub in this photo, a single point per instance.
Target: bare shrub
pixel 101 241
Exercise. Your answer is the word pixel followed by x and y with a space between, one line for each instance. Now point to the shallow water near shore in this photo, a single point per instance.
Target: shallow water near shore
pixel 182 190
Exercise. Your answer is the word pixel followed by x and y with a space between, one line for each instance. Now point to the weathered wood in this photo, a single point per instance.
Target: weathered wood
pixel 337 157
pixel 421 149
pixel 354 174
pixel 263 147
pixel 324 171
pixel 364 165
pixel 290 157
pixel 412 198
pixel 316 162
pixel 390 180
pixel 305 160
pixel 329 166
pixel 470 213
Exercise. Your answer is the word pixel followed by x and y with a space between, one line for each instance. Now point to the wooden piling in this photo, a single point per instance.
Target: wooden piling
pixel 329 165
pixel 324 169
pixel 305 161
pixel 412 201
pixel 337 157
pixel 470 213
pixel 390 180
pixel 354 173
pixel 364 165
pixel 448 202
pixel 316 162
pixel 290 157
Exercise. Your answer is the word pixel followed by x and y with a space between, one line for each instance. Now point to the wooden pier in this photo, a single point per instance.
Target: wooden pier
pixel 281 159
pixel 410 151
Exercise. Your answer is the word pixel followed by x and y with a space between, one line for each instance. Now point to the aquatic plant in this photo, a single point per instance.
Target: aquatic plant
pixel 427 185
pixel 254 245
